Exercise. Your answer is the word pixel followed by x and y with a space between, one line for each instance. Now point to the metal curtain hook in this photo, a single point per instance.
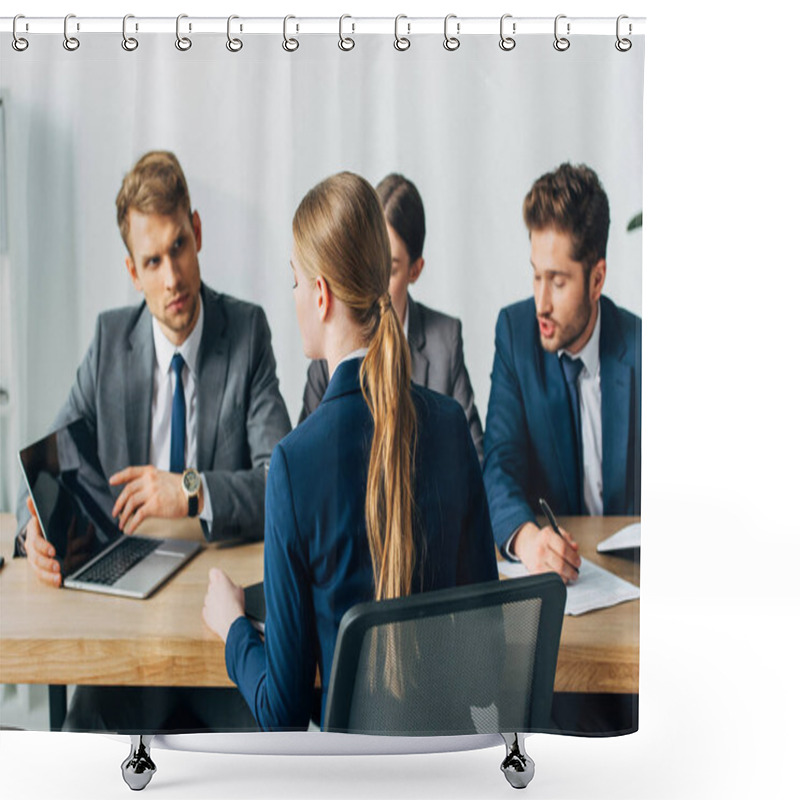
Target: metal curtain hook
pixel 70 42
pixel 507 42
pixel 233 44
pixel 623 45
pixel 561 43
pixel 289 45
pixel 451 42
pixel 128 42
pixel 345 42
pixel 18 42
pixel 401 42
pixel 183 43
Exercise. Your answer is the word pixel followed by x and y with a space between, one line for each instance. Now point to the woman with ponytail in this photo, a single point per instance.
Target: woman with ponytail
pixel 376 495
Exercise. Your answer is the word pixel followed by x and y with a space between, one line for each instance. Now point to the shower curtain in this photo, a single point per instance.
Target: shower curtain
pixel 254 128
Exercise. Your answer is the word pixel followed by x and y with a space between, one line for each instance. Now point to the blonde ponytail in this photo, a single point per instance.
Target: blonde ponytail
pixel 340 233
pixel 386 385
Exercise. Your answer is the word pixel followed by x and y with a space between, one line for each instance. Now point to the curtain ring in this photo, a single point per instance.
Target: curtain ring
pixel 233 44
pixel 507 42
pixel 183 43
pixel 70 42
pixel 289 45
pixel 623 45
pixel 345 42
pixel 18 42
pixel 451 43
pixel 401 42
pixel 129 43
pixel 561 43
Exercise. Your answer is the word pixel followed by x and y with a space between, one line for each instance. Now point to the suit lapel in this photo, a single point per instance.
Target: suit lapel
pixel 615 388
pixel 141 357
pixel 416 343
pixel 212 372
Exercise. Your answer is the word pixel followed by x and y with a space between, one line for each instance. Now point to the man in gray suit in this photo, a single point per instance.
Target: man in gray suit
pixel 180 392
pixel 434 338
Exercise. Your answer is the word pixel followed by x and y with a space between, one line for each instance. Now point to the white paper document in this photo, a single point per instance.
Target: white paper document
pixel 623 539
pixel 595 588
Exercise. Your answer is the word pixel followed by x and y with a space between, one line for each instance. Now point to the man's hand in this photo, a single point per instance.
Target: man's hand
pixel 40 553
pixel 224 603
pixel 543 550
pixel 149 492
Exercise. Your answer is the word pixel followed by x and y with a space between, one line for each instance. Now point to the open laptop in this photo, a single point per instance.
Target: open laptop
pixel 74 503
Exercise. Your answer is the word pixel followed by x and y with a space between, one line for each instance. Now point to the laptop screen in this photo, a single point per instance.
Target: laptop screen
pixel 71 495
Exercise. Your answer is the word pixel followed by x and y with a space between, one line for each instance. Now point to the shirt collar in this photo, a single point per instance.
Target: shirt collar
pixel 590 355
pixel 360 353
pixel 189 349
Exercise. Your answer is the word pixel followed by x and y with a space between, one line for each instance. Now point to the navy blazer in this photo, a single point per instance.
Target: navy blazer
pixel 529 450
pixel 316 557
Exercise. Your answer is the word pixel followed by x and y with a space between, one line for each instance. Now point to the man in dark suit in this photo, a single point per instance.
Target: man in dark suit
pixel 180 392
pixel 564 418
pixel 434 338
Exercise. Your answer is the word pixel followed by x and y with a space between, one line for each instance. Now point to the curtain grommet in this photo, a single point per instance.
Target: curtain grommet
pixel 451 43
pixel 561 43
pixel 183 43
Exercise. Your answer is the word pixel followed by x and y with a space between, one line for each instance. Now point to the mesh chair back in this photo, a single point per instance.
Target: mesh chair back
pixel 475 659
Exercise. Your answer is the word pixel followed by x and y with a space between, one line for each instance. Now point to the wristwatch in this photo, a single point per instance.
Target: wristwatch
pixel 190 483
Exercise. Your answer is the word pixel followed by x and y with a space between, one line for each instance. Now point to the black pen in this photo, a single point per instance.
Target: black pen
pixel 552 520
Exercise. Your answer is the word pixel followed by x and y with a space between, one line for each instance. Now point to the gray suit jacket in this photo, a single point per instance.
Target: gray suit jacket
pixel 241 414
pixel 437 363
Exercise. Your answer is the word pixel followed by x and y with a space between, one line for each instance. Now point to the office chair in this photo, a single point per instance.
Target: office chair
pixel 476 659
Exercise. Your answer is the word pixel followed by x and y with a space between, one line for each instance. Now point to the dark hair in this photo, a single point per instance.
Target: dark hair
pixel 404 211
pixel 572 200
pixel 155 185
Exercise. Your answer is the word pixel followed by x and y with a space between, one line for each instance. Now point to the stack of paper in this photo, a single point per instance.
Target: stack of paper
pixel 624 539
pixel 595 587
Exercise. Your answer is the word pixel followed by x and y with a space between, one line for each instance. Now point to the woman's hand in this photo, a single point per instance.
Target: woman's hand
pixel 224 603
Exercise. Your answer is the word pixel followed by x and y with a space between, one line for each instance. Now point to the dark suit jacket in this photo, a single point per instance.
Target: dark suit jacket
pixel 437 363
pixel 529 438
pixel 241 414
pixel 316 557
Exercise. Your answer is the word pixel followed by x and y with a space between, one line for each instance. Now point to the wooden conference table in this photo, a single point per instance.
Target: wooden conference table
pixel 60 637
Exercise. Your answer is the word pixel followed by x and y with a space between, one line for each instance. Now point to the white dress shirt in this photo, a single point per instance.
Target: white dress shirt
pixel 591 420
pixel 163 391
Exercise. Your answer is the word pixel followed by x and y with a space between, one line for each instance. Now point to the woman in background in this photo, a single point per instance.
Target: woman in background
pixel 377 495
pixel 437 349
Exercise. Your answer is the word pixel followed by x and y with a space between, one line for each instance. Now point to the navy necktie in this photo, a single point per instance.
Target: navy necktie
pixel 177 444
pixel 572 369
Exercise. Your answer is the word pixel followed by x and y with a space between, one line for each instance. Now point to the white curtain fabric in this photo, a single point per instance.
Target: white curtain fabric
pixel 254 131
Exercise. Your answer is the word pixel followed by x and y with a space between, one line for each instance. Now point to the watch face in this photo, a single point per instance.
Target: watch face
pixel 191 481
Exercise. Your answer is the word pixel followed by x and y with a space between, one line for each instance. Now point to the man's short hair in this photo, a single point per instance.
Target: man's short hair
pixel 155 185
pixel 571 200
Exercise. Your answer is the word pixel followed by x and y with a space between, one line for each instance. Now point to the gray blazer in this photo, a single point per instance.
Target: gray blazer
pixel 241 414
pixel 437 363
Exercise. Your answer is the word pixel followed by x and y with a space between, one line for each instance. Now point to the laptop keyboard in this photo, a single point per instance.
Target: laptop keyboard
pixel 122 558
